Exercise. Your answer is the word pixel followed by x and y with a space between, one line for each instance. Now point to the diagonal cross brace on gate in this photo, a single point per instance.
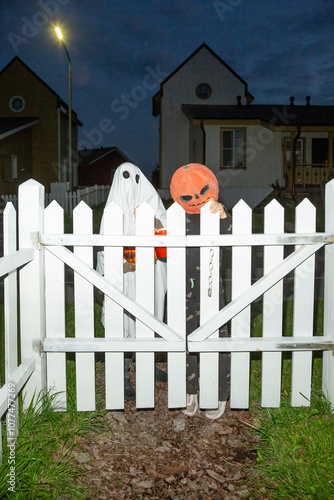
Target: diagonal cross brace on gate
pixel 199 341
pixel 175 341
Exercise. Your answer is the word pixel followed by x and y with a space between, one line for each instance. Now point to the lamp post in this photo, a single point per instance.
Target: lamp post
pixel 60 36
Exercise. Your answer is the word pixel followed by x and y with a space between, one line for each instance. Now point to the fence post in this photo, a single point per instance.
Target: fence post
pixel 32 308
pixel 328 358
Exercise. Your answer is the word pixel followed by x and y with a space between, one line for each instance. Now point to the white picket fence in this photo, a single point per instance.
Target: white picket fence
pixel 43 253
pixel 68 200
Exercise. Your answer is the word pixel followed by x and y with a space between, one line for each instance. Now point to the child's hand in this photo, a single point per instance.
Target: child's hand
pixel 217 207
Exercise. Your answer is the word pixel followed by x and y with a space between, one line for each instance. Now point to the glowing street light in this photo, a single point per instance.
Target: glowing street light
pixel 60 36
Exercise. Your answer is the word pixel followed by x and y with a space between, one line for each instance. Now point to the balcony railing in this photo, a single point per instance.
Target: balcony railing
pixel 311 174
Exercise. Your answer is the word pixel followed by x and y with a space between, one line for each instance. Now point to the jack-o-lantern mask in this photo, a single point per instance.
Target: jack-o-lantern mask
pixel 192 186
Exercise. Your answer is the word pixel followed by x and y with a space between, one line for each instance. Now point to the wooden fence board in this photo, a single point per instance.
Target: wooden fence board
pixel 84 313
pixel 55 307
pixel 209 305
pixel 240 324
pixel 303 313
pixel 272 309
pixel 113 266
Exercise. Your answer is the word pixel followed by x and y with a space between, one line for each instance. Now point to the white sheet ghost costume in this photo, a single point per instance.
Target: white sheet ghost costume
pixel 130 188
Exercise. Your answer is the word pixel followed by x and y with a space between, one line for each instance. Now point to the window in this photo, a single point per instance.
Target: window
pixel 203 91
pixel 233 148
pixel 299 151
pixel 16 103
pixel 319 152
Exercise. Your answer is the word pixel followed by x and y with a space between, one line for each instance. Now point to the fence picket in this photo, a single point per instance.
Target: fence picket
pixel 209 306
pixel 240 324
pixel 84 313
pixel 113 267
pixel 32 307
pixel 176 310
pixel 10 312
pixel 272 309
pixel 328 358
pixel 145 297
pixel 303 303
pixel 55 307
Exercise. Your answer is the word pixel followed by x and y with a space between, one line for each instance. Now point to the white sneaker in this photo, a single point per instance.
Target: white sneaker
pixel 213 414
pixel 192 405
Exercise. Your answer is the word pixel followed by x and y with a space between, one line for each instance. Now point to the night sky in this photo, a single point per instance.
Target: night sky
pixel 121 51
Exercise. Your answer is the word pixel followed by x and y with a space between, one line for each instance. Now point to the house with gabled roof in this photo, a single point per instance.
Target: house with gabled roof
pixel 97 166
pixel 34 126
pixel 207 115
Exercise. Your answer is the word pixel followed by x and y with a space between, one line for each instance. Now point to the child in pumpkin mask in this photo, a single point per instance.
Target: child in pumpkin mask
pixel 192 186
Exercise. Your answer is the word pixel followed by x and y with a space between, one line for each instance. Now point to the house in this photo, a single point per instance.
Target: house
pixel 97 166
pixel 206 115
pixel 33 131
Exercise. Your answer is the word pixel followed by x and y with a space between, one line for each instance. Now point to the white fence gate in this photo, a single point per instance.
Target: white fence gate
pixel 44 250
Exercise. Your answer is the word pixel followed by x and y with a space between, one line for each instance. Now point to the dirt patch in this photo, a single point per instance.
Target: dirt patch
pixel 162 454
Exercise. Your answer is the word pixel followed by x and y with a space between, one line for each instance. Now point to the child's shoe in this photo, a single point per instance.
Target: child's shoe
pixel 214 414
pixel 192 405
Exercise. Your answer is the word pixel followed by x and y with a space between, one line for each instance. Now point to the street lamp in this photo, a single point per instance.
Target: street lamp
pixel 60 36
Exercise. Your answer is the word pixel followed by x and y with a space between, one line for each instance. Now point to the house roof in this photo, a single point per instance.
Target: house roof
pixel 275 114
pixel 61 102
pixel 90 156
pixel 156 98
pixel 12 125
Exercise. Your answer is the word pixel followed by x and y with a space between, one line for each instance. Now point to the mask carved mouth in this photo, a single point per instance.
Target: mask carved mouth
pixel 198 204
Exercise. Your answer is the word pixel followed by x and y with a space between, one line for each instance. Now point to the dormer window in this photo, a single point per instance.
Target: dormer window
pixel 16 103
pixel 203 91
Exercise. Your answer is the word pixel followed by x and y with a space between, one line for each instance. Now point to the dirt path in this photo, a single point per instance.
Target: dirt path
pixel 162 454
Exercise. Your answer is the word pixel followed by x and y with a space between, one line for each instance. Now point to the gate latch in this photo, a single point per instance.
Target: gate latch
pixel 307 346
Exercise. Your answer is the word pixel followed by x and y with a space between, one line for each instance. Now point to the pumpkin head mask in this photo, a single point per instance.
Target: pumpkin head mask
pixel 192 186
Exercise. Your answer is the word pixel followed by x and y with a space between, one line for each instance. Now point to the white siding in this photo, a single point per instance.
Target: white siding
pixel 176 140
pixel 263 158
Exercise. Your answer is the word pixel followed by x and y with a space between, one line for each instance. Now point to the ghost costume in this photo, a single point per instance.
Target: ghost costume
pixel 130 188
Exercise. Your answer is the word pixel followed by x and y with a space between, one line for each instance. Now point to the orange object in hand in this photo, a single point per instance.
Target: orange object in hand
pixel 129 254
pixel 161 251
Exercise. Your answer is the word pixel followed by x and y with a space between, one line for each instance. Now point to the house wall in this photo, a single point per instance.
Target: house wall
pixel 41 103
pixel 175 129
pixel 20 146
pixel 263 157
pixel 48 139
pixel 101 172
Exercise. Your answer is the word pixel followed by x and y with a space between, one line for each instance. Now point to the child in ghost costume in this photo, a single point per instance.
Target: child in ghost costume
pixel 130 188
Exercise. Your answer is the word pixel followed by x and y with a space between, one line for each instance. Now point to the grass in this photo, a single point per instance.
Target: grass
pixel 296 448
pixel 47 442
pixel 295 456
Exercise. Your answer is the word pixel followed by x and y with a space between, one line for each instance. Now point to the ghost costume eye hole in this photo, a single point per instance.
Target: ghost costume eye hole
pixel 126 174
pixel 137 178
pixel 186 198
pixel 204 190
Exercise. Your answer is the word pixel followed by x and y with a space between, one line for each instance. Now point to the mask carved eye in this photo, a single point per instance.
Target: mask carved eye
pixel 205 190
pixel 126 174
pixel 186 198
pixel 137 178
